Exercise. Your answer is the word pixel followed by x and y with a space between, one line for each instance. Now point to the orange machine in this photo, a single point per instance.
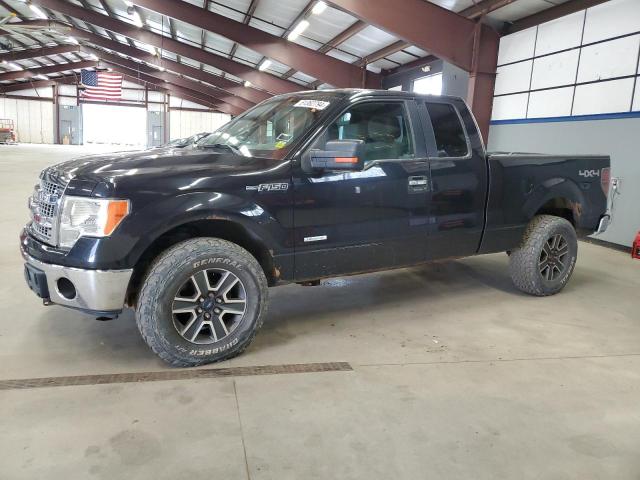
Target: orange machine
pixel 7 131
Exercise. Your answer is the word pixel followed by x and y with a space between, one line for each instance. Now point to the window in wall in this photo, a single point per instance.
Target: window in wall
pixel 451 140
pixel 429 85
pixel 383 126
pixel 397 88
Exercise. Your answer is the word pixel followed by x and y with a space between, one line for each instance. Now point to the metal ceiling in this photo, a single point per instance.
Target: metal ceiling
pixel 332 32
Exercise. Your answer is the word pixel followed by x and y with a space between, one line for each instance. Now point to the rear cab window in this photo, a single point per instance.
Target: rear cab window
pixel 450 137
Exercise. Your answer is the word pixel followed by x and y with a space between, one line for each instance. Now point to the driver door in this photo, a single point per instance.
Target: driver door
pixel 376 218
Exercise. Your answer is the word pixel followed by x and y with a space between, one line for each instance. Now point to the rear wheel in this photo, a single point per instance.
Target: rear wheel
pixel 546 257
pixel 202 301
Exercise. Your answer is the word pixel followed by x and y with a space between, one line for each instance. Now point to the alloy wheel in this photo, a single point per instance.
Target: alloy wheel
pixel 209 306
pixel 552 262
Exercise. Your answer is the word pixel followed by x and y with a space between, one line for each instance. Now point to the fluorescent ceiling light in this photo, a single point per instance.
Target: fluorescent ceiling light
pixel 40 76
pixel 15 66
pixel 318 8
pixel 266 63
pixel 298 29
pixel 71 39
pixel 39 13
pixel 93 57
pixel 136 19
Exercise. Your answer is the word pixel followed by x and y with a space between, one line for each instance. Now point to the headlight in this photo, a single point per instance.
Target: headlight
pixel 90 217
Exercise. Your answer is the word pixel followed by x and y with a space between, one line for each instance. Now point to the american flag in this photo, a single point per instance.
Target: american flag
pixel 101 85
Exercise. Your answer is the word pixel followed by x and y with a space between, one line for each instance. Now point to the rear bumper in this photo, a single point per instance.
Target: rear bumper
pixel 95 291
pixel 603 224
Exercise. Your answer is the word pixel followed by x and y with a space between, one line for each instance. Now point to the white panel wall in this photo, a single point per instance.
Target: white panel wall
pixel 611 19
pixel 550 103
pixel 560 34
pixel 582 64
pixel 184 123
pixel 33 119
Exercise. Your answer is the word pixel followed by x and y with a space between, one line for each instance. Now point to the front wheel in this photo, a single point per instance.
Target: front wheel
pixel 202 301
pixel 544 261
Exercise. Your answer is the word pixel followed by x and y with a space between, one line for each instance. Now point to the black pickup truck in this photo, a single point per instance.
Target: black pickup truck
pixel 299 188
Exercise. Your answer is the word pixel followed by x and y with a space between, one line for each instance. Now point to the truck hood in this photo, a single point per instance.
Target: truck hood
pixel 161 163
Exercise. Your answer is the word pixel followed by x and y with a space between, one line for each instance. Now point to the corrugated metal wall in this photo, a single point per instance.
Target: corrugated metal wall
pixel 33 119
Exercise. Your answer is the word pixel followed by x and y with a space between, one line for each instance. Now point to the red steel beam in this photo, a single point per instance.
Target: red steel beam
pixel 482 77
pixel 465 43
pixel 14 87
pixel 437 30
pixel 32 72
pixel 343 36
pixel 37 52
pixel 318 65
pixel 553 13
pixel 262 80
pixel 170 78
pixel 383 52
pixel 483 7
pixel 249 94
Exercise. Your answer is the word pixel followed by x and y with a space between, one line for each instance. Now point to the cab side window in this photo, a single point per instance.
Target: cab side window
pixel 451 140
pixel 383 126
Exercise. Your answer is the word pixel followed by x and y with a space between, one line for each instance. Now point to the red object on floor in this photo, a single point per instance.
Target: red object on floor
pixel 635 249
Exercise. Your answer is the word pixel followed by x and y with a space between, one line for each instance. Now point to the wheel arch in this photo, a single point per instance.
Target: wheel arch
pixel 223 228
pixel 559 197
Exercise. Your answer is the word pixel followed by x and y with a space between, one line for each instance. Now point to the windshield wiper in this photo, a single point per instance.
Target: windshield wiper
pixel 223 146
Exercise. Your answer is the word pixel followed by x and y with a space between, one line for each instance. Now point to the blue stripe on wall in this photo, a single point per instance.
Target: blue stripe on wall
pixel 577 118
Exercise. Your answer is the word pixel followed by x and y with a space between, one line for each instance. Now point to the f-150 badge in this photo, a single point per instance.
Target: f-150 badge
pixel 269 187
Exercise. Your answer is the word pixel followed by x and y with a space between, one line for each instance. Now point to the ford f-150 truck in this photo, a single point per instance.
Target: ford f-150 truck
pixel 301 187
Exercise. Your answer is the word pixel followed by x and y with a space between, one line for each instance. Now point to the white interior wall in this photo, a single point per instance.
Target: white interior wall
pixel 184 123
pixel 33 119
pixel 572 86
pixel 552 67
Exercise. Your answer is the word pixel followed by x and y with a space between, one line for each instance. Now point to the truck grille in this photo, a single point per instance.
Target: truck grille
pixel 44 205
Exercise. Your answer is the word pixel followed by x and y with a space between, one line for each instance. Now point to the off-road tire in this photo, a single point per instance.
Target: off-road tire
pixel 524 261
pixel 173 267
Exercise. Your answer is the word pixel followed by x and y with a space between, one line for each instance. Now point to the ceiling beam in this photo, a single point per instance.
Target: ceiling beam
pixel 484 7
pixel 14 87
pixel 250 94
pixel 32 72
pixel 328 69
pixel 262 80
pixel 343 36
pixel 170 78
pixel 567 8
pixel 437 30
pixel 37 52
pixel 383 52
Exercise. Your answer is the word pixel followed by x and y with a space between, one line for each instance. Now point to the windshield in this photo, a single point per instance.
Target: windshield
pixel 270 129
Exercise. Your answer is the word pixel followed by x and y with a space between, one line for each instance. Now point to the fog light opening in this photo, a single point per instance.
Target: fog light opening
pixel 66 288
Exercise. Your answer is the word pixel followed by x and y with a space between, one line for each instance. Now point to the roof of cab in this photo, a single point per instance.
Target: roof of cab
pixel 364 92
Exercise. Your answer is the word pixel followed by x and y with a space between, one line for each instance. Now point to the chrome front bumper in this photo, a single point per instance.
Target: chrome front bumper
pixel 95 290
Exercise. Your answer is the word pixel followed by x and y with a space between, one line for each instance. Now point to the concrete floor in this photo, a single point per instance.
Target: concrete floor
pixel 455 375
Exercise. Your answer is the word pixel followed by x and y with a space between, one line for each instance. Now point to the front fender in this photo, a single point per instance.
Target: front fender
pixel 190 207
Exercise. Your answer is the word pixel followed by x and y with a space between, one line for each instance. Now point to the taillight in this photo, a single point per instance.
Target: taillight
pixel 605 180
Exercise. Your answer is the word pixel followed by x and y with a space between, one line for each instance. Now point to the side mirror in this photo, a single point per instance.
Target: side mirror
pixel 339 155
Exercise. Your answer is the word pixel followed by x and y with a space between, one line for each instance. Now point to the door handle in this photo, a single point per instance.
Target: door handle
pixel 418 184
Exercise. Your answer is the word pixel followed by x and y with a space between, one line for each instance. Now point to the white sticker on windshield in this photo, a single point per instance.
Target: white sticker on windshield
pixel 315 104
